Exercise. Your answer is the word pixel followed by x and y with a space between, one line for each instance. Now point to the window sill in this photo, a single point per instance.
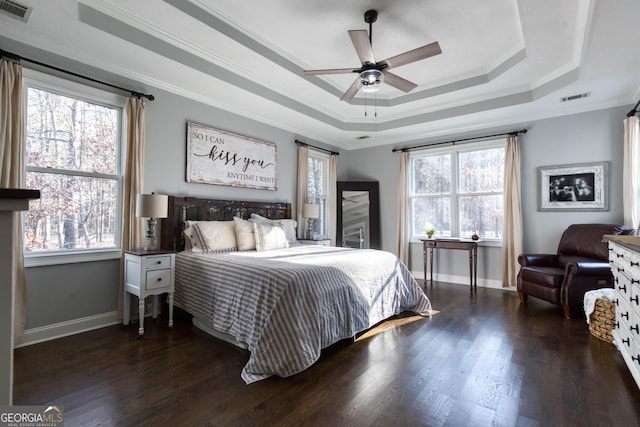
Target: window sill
pixel 41 259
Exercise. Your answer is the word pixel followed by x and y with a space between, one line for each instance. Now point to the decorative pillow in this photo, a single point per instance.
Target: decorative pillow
pixel 216 235
pixel 244 234
pixel 259 217
pixel 288 224
pixel 269 236
pixel 191 241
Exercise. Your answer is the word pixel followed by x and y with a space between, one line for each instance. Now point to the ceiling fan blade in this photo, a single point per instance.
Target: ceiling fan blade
pixel 351 92
pixel 414 55
pixel 330 71
pixel 360 40
pixel 398 82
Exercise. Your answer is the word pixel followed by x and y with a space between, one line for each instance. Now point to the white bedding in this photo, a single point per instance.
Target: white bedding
pixel 288 304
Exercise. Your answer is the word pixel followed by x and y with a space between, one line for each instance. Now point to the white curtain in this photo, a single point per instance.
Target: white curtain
pixel 132 227
pixel 512 229
pixel 12 176
pixel 631 172
pixel 333 207
pixel 402 249
pixel 303 184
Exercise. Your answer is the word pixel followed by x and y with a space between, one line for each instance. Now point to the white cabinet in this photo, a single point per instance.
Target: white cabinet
pixel 148 273
pixel 625 266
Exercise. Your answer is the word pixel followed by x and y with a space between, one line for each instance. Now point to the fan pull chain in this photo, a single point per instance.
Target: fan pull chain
pixel 375 105
pixel 365 104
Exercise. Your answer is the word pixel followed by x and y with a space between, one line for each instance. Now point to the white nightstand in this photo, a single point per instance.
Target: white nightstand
pixel 148 273
pixel 316 242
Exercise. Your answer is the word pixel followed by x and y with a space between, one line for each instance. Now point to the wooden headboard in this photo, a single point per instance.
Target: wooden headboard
pixel 182 209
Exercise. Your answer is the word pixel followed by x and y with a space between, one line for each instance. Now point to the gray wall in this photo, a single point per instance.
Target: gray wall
pixel 581 138
pixel 60 293
pixel 165 150
pixel 72 291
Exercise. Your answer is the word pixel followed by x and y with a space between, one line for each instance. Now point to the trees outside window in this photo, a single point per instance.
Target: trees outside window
pixel 72 155
pixel 458 190
pixel 318 190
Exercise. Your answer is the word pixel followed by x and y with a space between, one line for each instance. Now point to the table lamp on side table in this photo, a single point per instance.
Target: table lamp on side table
pixel 151 206
pixel 311 211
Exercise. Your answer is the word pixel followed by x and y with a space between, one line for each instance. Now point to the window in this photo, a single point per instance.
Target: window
pixel 72 155
pixel 458 190
pixel 318 190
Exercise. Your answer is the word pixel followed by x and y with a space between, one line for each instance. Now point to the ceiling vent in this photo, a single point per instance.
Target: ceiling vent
pixel 574 97
pixel 15 10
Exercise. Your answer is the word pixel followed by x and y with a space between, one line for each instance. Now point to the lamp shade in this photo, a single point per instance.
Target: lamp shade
pixel 152 205
pixel 311 210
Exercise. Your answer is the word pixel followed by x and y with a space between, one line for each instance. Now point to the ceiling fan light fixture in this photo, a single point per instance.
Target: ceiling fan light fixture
pixel 370 78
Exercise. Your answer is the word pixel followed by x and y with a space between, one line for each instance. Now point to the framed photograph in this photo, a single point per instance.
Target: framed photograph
pixel 578 187
pixel 223 158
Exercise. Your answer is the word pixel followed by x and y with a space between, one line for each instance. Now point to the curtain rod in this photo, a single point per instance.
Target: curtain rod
pixel 634 111
pixel 15 57
pixel 453 142
pixel 304 144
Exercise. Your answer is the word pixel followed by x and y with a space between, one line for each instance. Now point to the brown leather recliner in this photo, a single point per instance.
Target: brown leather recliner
pixel 581 265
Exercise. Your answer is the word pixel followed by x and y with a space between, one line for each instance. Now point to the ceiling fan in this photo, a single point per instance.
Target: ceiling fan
pixel 373 73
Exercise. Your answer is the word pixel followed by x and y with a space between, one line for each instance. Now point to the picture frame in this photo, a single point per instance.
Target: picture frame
pixel 218 157
pixel 573 187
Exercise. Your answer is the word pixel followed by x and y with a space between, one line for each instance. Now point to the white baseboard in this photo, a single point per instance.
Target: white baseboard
pixel 63 329
pixel 464 280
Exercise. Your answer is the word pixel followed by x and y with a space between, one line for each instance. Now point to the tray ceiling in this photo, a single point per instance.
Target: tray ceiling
pixel 503 62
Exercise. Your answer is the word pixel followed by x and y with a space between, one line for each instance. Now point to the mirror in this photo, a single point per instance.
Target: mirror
pixel 358 218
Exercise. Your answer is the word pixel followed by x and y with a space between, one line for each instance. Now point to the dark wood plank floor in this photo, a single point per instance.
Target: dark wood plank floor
pixel 483 360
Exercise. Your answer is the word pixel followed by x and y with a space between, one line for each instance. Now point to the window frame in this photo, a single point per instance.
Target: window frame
pixel 54 84
pixel 455 194
pixel 324 158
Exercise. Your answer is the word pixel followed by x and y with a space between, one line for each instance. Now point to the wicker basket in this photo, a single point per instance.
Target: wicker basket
pixel 602 320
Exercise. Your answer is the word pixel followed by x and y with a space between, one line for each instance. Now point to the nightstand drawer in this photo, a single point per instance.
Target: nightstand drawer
pixel 160 261
pixel 157 279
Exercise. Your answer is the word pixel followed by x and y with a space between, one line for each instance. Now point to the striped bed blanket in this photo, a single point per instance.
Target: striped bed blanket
pixel 289 304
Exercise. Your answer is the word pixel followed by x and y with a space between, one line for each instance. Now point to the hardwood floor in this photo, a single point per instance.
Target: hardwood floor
pixel 485 359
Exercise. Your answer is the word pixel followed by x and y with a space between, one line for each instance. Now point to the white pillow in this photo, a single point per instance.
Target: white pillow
pixel 244 234
pixel 216 235
pixel 191 241
pixel 288 224
pixel 259 217
pixel 269 236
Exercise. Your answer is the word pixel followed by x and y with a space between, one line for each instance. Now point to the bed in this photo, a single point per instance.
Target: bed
pixel 283 304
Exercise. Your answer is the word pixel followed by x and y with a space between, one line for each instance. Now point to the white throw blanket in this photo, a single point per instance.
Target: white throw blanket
pixel 590 298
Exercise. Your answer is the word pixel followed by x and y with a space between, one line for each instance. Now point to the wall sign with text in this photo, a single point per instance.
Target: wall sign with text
pixel 224 158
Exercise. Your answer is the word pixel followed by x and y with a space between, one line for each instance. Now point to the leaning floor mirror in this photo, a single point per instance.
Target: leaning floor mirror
pixel 358 216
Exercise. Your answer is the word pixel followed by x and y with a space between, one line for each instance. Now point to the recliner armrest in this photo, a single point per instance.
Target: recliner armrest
pixel 538 260
pixel 588 268
pixel 581 277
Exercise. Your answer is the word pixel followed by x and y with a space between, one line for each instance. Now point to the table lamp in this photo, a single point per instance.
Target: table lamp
pixel 311 211
pixel 151 206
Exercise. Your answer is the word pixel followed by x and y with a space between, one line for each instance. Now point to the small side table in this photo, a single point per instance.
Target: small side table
pixel 461 244
pixel 148 273
pixel 325 242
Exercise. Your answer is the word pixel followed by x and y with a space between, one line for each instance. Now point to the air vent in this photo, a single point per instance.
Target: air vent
pixel 363 137
pixel 574 97
pixel 15 10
